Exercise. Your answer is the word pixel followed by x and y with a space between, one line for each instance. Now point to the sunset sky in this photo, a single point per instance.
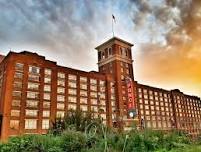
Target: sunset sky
pixel 166 35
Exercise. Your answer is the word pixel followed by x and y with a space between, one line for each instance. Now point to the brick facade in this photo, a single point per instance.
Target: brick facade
pixel 34 91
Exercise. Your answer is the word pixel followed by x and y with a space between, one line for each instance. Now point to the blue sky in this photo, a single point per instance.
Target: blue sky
pixel 67 31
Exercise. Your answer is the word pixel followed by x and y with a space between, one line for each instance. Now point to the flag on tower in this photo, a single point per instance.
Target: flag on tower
pixel 113 17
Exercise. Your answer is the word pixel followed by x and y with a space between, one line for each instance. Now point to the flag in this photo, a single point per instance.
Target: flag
pixel 113 17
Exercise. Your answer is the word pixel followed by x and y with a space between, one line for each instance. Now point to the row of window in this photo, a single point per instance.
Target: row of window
pixel 29 124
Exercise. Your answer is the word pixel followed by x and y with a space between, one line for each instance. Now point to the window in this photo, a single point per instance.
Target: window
pixel 72 91
pixel 19 67
pixel 60 90
pixel 102 102
pixel 46 104
pixel 60 98
pixel 14 124
pixel 61 82
pixel 60 106
pixel 127 71
pixel 61 75
pixel 16 103
pixel 145 96
pixel 147 112
pixel 122 70
pixel 112 97
pixel 93 88
pixel 32 113
pixel 102 96
pixel 139 90
pixel 33 86
pixel 94 101
pixel 146 101
pixel 47 88
pixel 46 96
pixel 17 93
pixel 32 103
pixel 83 93
pixel 93 94
pixel 72 106
pixel 33 77
pixel 93 81
pixel 83 100
pixel 72 84
pixel 60 114
pixel 122 77
pixel 18 75
pixel 15 113
pixel 157 103
pixel 83 79
pixel 72 77
pixel 83 107
pixel 103 55
pixel 72 99
pixel 34 69
pixel 83 86
pixel 47 80
pixel 146 107
pixel 94 108
pixel 46 113
pixel 110 51
pixel 17 85
pixel 102 89
pixel 30 124
pixel 123 51
pixel 45 124
pixel 48 72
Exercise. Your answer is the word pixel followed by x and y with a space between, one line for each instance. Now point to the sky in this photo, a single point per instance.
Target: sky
pixel 166 35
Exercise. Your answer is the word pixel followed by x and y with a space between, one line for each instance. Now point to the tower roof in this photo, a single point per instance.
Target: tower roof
pixel 113 39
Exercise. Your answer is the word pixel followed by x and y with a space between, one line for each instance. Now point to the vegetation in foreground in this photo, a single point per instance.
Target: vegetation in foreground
pixel 83 133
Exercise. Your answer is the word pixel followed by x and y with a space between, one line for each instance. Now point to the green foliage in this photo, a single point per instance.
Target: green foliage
pixel 83 133
pixel 73 120
pixel 73 141
pixel 76 141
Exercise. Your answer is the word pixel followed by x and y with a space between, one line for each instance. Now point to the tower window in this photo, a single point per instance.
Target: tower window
pixel 103 55
pixel 110 51
pixel 124 51
pixel 99 56
pixel 106 52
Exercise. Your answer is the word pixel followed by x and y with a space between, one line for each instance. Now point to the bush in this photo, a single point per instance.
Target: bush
pixel 36 143
pixel 73 120
pixel 73 141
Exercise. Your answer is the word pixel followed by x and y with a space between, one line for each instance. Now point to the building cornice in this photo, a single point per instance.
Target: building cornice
pixel 114 57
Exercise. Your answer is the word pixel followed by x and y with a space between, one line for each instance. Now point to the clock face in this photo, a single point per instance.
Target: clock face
pixel 131 114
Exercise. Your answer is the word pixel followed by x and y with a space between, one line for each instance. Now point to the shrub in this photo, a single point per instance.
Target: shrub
pixel 73 141
pixel 73 120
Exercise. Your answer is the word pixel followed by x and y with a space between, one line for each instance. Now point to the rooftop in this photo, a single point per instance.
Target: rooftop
pixel 113 39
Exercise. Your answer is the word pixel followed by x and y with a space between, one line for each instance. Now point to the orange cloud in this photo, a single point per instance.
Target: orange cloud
pixel 178 63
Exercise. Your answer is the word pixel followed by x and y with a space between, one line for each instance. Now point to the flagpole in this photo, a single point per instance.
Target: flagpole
pixel 112 27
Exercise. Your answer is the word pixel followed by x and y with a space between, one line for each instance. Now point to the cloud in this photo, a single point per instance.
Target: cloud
pixel 166 34
pixel 178 59
pixel 66 27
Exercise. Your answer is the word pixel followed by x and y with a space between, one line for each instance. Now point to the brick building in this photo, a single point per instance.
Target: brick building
pixel 34 91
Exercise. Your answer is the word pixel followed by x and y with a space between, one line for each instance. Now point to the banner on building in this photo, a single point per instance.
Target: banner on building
pixel 131 98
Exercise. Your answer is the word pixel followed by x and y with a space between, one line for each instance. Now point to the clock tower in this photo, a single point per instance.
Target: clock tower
pixel 115 58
